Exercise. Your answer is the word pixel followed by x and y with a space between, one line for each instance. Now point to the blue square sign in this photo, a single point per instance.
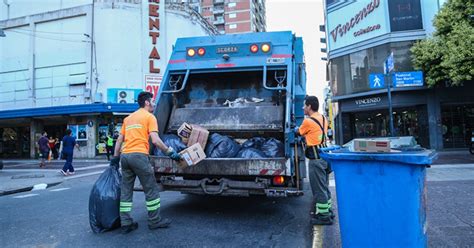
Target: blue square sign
pixel 376 81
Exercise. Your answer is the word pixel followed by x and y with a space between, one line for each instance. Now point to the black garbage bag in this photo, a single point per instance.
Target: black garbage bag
pixel 256 142
pixel 219 146
pixel 250 153
pixel 104 201
pixel 171 140
pixel 273 148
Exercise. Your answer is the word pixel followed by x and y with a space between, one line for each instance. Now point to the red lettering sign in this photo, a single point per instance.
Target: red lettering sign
pixel 153 89
pixel 153 25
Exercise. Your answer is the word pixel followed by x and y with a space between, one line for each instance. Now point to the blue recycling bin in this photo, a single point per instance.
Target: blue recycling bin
pixel 381 197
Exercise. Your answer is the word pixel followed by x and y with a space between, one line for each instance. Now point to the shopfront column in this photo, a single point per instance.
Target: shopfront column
pixel 434 121
pixel 36 128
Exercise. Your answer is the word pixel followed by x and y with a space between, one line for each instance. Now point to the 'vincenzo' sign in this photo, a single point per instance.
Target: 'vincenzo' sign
pixel 358 21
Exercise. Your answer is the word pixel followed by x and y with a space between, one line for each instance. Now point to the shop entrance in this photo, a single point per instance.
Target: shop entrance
pixel 56 131
pixel 458 123
pixel 411 121
pixel 15 142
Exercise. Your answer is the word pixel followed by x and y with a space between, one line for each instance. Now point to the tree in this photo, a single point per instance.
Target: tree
pixel 448 56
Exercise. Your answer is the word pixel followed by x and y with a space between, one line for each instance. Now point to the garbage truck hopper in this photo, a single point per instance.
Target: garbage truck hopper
pixel 242 87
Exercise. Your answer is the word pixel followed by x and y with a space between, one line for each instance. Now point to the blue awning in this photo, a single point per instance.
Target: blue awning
pixel 69 110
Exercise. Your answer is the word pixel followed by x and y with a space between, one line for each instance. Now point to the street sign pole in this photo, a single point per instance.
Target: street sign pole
pixel 388 67
pixel 390 111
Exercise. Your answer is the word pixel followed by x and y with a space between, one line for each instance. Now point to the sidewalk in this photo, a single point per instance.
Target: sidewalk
pixel 450 211
pixel 15 178
pixel 12 182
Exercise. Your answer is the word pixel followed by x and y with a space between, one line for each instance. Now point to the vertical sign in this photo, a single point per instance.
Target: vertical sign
pixel 154 54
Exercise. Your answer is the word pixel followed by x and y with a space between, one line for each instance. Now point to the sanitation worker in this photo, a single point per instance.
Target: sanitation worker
pixel 314 129
pixel 132 149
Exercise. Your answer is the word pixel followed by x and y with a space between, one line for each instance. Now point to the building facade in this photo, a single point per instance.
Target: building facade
pixel 231 16
pixel 361 36
pixel 80 65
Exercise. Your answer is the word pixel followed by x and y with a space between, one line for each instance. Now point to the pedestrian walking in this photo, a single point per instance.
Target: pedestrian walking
pixel 115 137
pixel 43 148
pixel 314 129
pixel 109 144
pixel 136 130
pixel 69 142
pixel 52 148
pixel 57 145
pixel 330 134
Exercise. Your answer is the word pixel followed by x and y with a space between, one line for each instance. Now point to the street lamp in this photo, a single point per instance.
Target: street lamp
pixel 2 34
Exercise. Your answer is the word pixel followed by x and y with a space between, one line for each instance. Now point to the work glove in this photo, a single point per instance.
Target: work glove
pixel 115 161
pixel 296 130
pixel 173 154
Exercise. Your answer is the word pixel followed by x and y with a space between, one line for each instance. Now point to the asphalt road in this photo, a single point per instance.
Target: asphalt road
pixel 58 217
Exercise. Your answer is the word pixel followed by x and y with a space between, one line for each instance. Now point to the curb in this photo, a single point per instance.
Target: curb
pixel 26 189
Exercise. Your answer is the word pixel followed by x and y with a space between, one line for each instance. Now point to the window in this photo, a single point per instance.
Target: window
pixel 233 26
pixel 232 15
pixel 350 73
pixel 405 15
pixel 231 5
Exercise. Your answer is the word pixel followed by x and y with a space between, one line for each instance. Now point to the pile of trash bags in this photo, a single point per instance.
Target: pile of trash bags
pixel 104 200
pixel 171 140
pixel 221 146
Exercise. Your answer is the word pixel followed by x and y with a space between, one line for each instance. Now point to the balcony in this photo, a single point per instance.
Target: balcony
pixel 218 11
pixel 219 21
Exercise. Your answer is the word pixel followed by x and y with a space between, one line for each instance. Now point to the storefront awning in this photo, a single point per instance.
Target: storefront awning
pixel 70 110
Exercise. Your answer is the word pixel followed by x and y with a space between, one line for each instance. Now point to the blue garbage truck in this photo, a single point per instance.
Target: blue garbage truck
pixel 241 86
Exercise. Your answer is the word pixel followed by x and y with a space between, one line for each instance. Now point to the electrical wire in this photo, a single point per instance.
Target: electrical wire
pixel 45 37
pixel 46 32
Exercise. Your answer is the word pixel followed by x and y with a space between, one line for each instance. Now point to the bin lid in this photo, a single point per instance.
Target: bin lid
pixel 419 156
pixel 401 142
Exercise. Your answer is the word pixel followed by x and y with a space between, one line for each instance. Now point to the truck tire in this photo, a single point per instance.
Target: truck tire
pixel 471 149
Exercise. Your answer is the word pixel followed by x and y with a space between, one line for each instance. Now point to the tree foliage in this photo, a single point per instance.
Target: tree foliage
pixel 448 56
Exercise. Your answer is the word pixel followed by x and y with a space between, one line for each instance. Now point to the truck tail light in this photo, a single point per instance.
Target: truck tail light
pixel 201 51
pixel 254 48
pixel 265 48
pixel 278 180
pixel 191 52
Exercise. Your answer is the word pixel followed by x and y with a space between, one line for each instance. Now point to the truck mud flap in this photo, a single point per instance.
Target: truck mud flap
pixel 225 166
pixel 226 187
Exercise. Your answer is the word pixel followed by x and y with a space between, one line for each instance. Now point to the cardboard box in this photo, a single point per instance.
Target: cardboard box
pixel 184 131
pixel 192 155
pixel 368 145
pixel 198 135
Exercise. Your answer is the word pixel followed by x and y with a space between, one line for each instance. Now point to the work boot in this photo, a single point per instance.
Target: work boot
pixel 163 223
pixel 332 214
pixel 320 219
pixel 128 228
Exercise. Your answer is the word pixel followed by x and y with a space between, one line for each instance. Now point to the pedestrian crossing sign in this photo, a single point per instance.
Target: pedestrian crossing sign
pixel 376 81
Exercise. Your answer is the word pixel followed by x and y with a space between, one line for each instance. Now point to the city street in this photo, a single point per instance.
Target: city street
pixel 58 217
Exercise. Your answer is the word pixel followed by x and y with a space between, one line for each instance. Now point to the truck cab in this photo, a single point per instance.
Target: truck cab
pixel 241 86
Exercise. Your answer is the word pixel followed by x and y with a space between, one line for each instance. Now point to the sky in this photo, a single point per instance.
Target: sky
pixel 303 18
